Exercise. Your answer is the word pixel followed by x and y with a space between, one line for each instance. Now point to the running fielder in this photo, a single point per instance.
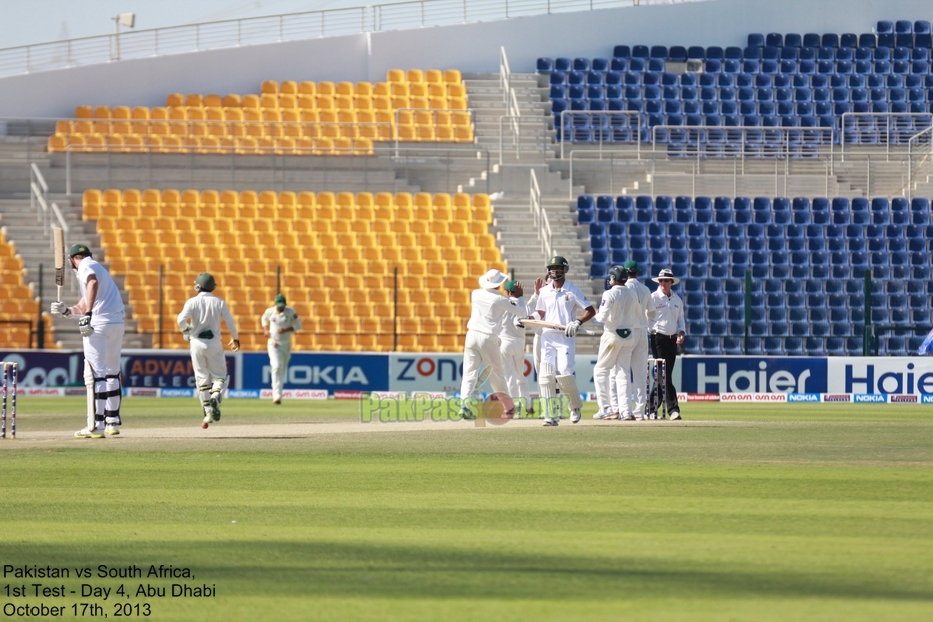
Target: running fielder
pixel 279 323
pixel 558 303
pixel 199 322
pixel 100 313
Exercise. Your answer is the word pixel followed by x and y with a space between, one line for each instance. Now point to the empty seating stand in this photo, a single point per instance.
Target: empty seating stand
pixel 288 118
pixel 807 257
pixel 19 307
pixel 780 95
pixel 359 268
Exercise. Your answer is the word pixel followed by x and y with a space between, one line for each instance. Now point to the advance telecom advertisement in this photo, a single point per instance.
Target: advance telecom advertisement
pixel 323 374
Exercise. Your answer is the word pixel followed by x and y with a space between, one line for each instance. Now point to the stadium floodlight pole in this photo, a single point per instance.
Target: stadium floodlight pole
pixel 126 19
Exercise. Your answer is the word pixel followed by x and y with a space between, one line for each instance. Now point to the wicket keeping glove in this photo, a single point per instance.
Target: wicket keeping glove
pixel 59 308
pixel 84 325
pixel 571 330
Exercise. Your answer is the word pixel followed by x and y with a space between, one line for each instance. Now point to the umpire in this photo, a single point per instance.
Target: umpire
pixel 667 332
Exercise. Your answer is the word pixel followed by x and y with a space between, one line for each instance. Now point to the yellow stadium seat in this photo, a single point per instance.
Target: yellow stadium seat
pixel 83 112
pixel 452 76
pixel 307 88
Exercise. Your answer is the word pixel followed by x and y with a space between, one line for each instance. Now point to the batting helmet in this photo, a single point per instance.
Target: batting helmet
pixel 617 274
pixel 79 249
pixel 205 282
pixel 557 267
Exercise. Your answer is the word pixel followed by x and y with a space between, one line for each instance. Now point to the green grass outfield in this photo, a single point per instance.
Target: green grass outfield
pixel 741 512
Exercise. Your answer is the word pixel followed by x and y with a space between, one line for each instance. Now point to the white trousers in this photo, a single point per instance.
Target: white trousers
pixel 513 367
pixel 207 358
pixel 480 350
pixel 640 370
pixel 614 359
pixel 102 374
pixel 278 361
pixel 559 350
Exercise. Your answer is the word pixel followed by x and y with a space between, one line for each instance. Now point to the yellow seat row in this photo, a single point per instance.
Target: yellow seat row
pixel 18 303
pixel 192 199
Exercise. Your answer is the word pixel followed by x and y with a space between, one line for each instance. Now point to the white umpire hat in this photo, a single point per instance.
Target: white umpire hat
pixel 492 279
pixel 666 274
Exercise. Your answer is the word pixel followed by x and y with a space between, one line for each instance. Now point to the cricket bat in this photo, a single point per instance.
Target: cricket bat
pixel 543 324
pixel 58 241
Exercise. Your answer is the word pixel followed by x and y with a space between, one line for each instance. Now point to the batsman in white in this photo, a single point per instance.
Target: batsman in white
pixel 558 303
pixel 100 312
pixel 279 323
pixel 512 348
pixel 481 348
pixel 199 322
pixel 618 311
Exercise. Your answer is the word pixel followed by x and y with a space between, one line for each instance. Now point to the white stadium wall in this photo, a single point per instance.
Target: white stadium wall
pixel 468 47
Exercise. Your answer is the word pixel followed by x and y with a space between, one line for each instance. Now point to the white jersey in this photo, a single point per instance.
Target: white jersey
pixel 644 302
pixel 619 308
pixel 108 305
pixel 205 312
pixel 510 331
pixel 670 314
pixel 491 309
pixel 273 320
pixel 560 304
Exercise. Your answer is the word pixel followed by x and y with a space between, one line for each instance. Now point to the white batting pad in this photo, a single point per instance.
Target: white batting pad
pixel 568 387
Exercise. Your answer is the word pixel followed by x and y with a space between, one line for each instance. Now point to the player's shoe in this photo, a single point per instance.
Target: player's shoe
pixel 530 413
pixel 550 423
pixel 628 417
pixel 575 415
pixel 602 415
pixel 467 414
pixel 112 430
pixel 215 409
pixel 675 416
pixel 90 433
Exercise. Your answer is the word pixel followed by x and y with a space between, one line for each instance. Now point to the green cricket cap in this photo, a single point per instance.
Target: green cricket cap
pixel 630 266
pixel 79 249
pixel 279 299
pixel 511 285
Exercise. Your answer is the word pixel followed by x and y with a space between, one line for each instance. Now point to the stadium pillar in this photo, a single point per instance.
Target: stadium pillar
pixel 748 307
pixel 866 331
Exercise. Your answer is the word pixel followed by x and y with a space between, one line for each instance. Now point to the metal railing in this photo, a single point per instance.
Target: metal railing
pixel 540 141
pixel 285 27
pixel 37 198
pixel 513 110
pixel 542 225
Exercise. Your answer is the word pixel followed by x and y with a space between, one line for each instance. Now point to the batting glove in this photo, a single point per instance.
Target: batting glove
pixel 518 323
pixel 59 308
pixel 571 330
pixel 84 325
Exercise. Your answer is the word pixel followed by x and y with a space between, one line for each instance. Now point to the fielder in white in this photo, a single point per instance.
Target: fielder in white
pixel 640 335
pixel 100 312
pixel 512 348
pixel 558 303
pixel 279 323
pixel 619 310
pixel 199 322
pixel 536 340
pixel 481 348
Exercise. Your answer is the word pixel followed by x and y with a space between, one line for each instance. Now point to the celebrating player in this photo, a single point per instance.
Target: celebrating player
pixel 279 323
pixel 618 311
pixel 490 310
pixel 199 322
pixel 640 336
pixel 557 303
pixel 512 348
pixel 100 313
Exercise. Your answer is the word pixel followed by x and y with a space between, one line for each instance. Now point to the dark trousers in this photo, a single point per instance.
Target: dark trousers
pixel 665 347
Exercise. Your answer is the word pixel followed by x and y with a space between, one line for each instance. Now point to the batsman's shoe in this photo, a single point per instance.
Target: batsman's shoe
pixel 675 416
pixel 90 433
pixel 208 419
pixel 215 409
pixel 550 423
pixel 467 414
pixel 112 430
pixel 575 415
